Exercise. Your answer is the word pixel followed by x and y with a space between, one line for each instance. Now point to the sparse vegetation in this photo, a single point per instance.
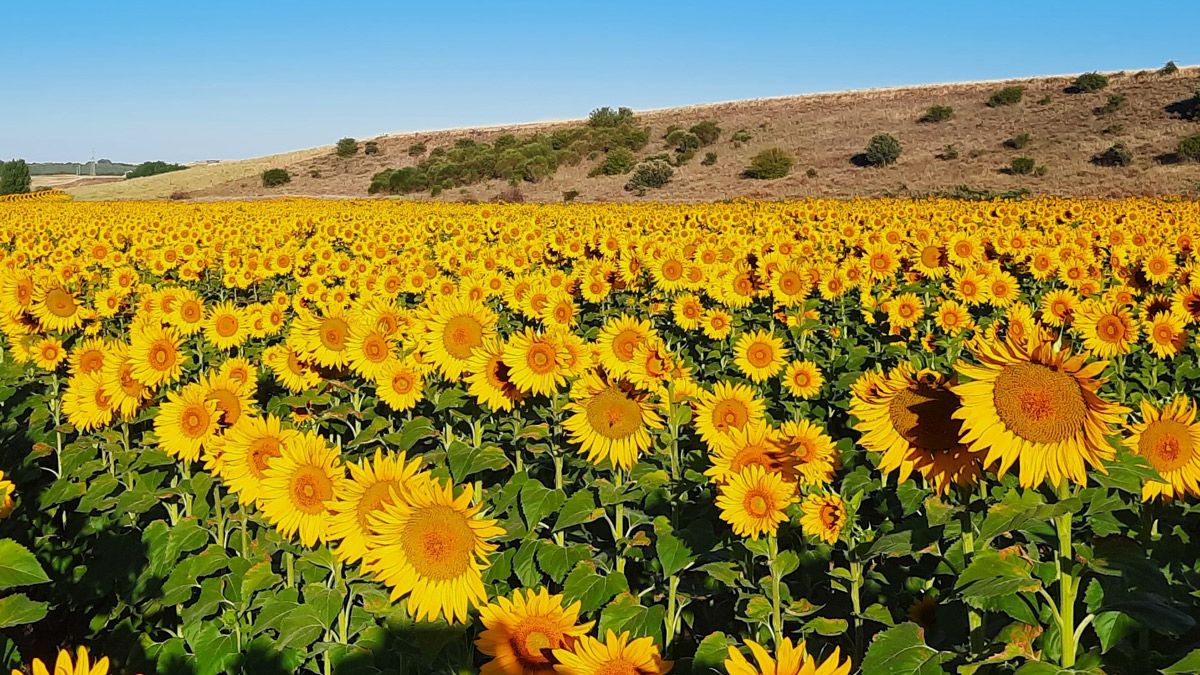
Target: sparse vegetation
pixel 314 173
pixel 1115 155
pixel 707 131
pixel 371 148
pixel 346 147
pixel 179 195
pixel 968 193
pixel 1114 103
pixel 1189 149
pixel 153 168
pixel 936 113
pixel 1007 96
pixel 416 149
pixel 950 152
pixel 741 137
pixel 1045 100
pixel 650 174
pixel 1169 68
pixel 607 118
pixel 1019 141
pixel 616 162
pixel 1088 83
pixel 710 158
pixel 570 195
pixel 14 177
pixel 275 177
pixel 882 150
pixel 811 173
pixel 1022 166
pixel 770 163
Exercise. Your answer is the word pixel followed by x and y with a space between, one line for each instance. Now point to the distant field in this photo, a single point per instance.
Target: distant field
pixel 69 179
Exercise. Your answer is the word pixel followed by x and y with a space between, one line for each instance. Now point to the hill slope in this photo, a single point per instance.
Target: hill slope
pixel 824 132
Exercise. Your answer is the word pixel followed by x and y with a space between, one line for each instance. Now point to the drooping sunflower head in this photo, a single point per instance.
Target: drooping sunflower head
pixel 824 516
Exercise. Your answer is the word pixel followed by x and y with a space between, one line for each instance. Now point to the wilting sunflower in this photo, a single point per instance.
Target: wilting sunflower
pixel 454 330
pixel 823 516
pixel 619 339
pixel 85 403
pixel 7 490
pixel 760 355
pixel 752 445
pixel 803 379
pixel 610 420
pixel 617 655
pixel 1107 330
pixel 910 420
pixel 488 380
pixel 432 547
pixel 1167 334
pixel 809 451
pixel 1037 404
pixel 535 362
pixel 788 660
pixel 298 485
pixel 248 450
pixel 400 384
pixel 372 484
pixel 755 501
pixel 521 633
pixel 186 422
pixel 154 352
pixel 726 408
pixel 1169 438
pixel 64 665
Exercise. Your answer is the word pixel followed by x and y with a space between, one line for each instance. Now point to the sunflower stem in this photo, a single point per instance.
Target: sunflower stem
pixel 1067 584
pixel 221 527
pixel 974 618
pixel 559 537
pixel 672 611
pixel 776 614
pixel 856 578
pixel 290 567
pixel 619 520
pixel 245 530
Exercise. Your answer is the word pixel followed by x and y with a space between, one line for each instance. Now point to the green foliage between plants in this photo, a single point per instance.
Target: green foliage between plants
pixel 770 163
pixel 710 158
pixel 1189 148
pixel 275 177
pixel 1116 155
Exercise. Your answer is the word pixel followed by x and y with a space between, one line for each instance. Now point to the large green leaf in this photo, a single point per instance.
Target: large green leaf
pixel 902 651
pixel 590 588
pixel 19 567
pixel 17 610
pixel 991 575
pixel 579 508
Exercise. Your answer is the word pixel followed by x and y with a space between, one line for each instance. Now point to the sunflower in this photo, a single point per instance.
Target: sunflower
pixel 247 451
pixel 789 659
pixel 521 633
pixel 88 356
pixel 1169 438
pixel 85 403
pixel 803 379
pixel 652 365
pixel 617 655
pixel 619 340
pixel 1058 307
pixel 372 484
pixel 125 392
pixel 909 419
pixel 687 311
pixel 535 362
pixel 752 445
pixel 293 373
pixel 726 408
pixel 823 516
pixel 298 485
pixel 432 547
pixel 7 490
pixel 755 501
pixel 187 421
pixel 154 352
pixel 322 339
pixel 716 323
pixel 232 397
pixel 610 420
pixel 370 350
pixel 760 355
pixel 64 665
pixel 488 378
pixel 905 311
pixel 809 451
pixel 1037 404
pixel 48 353
pixel 400 384
pixel 56 308
pixel 1107 330
pixel 1167 334
pixel 454 330
pixel 226 326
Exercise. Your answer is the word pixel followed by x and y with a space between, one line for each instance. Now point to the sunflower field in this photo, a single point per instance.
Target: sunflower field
pixel 795 438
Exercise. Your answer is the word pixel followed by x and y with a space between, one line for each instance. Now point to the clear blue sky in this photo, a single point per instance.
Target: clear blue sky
pixel 183 81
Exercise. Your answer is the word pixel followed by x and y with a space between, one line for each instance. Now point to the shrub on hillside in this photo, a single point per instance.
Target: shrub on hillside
pixel 740 137
pixel 1019 141
pixel 1189 148
pixel 570 195
pixel 153 168
pixel 347 147
pixel 1006 96
pixel 416 149
pixel 1088 83
pixel 275 177
pixel 607 117
pixel 770 163
pixel 1114 103
pixel 936 113
pixel 882 150
pixel 371 148
pixel 1169 68
pixel 710 158
pixel 1022 166
pixel 14 177
pixel 649 175
pixel 950 152
pixel 707 132
pixel 616 162
pixel 1116 155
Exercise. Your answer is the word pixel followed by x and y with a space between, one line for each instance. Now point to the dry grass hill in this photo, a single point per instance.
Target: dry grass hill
pixel 1148 112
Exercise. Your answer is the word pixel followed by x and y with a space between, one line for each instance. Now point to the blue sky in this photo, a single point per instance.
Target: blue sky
pixel 183 81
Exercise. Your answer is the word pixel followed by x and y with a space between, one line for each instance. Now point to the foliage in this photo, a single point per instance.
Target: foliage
pixel 1089 82
pixel 606 117
pixel 1116 155
pixel 936 113
pixel 706 131
pixel 570 195
pixel 1189 148
pixel 1010 95
pixel 948 153
pixel 346 147
pixel 153 168
pixel 618 161
pixel 650 174
pixel 371 148
pixel 882 150
pixel 1169 68
pixel 1022 166
pixel 416 149
pixel 710 158
pixel 1114 103
pixel 741 137
pixel 275 177
pixel 1019 141
pixel 770 163
pixel 14 177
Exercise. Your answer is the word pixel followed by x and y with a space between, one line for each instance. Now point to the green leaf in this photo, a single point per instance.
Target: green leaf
pixel 259 577
pixel 579 508
pixel 724 572
pixel 674 555
pixel 710 654
pixel 879 613
pixel 590 588
pixel 327 601
pixel 523 565
pixel 466 460
pixel 902 651
pixel 1014 512
pixel 18 610
pixel 557 560
pixel 626 614
pixel 1188 664
pixel 828 627
pixel 991 574
pixel 894 544
pixel 96 498
pixel 19 567
pixel 538 501
pixel 213 649
pixel 412 431
pixel 300 628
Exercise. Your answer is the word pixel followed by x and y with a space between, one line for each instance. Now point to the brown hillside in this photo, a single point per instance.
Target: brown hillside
pixel 824 131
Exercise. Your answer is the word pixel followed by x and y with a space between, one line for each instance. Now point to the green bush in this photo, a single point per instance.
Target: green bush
pixel 14 177
pixel 1189 148
pixel 1045 100
pixel 371 148
pixel 1019 141
pixel 570 195
pixel 1116 155
pixel 153 168
pixel 347 147
pixel 416 149
pixel 936 113
pixel 1006 96
pixel 275 177
pixel 710 158
pixel 707 132
pixel 606 117
pixel 740 137
pixel 1114 103
pixel 648 175
pixel 616 162
pixel 1169 68
pixel 811 173
pixel 770 163
pixel 1022 166
pixel 1089 82
pixel 882 150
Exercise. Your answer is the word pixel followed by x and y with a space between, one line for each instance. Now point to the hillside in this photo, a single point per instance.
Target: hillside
pixel 824 132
